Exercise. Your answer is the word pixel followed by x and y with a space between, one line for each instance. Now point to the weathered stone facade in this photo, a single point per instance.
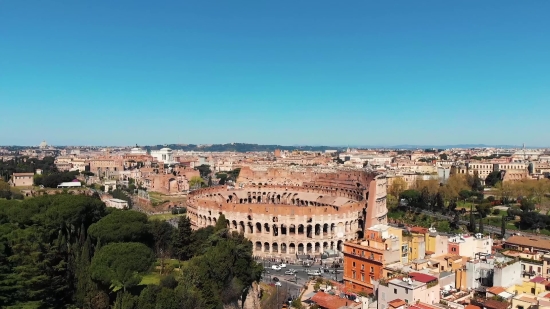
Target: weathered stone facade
pixel 286 213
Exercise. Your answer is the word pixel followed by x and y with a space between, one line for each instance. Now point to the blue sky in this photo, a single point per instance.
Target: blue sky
pixel 274 72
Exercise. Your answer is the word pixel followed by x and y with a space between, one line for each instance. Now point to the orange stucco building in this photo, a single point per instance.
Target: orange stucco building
pixel 364 260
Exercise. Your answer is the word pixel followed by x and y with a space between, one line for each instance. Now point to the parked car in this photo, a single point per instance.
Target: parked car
pixel 282 265
pixel 290 272
pixel 314 273
pixel 275 267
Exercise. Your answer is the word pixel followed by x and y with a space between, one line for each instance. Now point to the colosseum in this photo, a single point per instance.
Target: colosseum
pixel 292 213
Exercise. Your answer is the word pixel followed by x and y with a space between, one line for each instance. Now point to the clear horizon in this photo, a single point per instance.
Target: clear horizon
pixel 286 73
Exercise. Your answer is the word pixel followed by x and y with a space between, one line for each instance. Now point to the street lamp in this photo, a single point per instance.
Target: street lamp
pixel 277 285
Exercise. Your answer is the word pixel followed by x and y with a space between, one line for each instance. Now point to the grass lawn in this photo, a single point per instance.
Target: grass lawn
pixel 164 217
pixel 152 278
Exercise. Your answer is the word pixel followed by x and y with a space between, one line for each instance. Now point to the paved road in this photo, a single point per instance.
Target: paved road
pixel 301 276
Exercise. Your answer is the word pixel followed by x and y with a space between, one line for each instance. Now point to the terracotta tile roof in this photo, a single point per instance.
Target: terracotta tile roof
pixel 495 304
pixel 537 279
pixel 420 277
pixel 547 295
pixel 471 307
pixel 529 242
pixel 328 301
pixel 423 306
pixel 496 290
pixel 419 230
pixel 396 303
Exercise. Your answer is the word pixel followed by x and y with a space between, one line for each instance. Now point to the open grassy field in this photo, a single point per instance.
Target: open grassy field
pixel 151 278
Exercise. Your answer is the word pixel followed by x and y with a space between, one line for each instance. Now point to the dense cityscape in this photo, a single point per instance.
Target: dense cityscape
pixel 155 227
pixel 274 154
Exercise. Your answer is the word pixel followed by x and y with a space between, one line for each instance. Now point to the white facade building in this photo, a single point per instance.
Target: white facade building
pixel 163 155
pixel 116 203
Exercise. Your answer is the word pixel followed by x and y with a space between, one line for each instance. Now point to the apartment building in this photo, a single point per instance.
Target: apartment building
pixel 22 179
pixel 418 287
pixel 470 245
pixel 365 260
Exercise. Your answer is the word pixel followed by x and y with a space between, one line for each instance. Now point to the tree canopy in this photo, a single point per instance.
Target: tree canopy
pixel 121 226
pixel 121 264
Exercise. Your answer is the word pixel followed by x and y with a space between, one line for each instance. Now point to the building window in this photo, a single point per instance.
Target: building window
pixel 362 266
pixel 538 270
pixel 353 264
pixel 353 274
pixel 372 269
pixel 394 291
pixel 363 277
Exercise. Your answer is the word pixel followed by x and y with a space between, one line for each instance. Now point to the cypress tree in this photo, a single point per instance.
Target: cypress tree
pixel 481 224
pixel 503 227
pixel 84 285
pixel 472 220
pixel 183 239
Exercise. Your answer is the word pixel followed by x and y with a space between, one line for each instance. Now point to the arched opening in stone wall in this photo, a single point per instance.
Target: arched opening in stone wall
pixel 241 227
pixel 250 228
pixel 332 228
pixel 325 229
pixel 292 229
pixel 300 229
pixel 309 248
pixel 301 249
pixel 283 248
pixel 325 246
pixel 275 230
pixel 309 231
pixel 317 229
pixel 275 248
pixel 292 248
pixel 347 227
pixel 258 227
pixel 266 228
pixel 214 221
pixel 317 247
pixel 209 221
pixel 339 245
pixel 234 225
pixel 283 229
pixel 266 247
pixel 258 246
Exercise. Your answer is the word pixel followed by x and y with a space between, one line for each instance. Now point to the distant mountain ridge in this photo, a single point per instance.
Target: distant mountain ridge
pixel 244 147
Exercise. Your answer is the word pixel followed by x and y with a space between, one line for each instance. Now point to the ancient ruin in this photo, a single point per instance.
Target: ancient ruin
pixel 294 212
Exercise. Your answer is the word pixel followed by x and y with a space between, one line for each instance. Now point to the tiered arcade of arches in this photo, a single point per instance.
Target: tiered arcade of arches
pixel 292 221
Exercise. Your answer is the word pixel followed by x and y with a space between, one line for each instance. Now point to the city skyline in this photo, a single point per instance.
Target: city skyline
pixel 281 73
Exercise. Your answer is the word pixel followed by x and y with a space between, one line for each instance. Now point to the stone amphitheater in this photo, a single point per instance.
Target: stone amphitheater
pixel 291 213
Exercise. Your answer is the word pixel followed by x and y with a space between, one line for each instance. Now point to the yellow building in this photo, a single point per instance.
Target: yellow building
pixel 532 287
pixel 525 301
pixel 416 243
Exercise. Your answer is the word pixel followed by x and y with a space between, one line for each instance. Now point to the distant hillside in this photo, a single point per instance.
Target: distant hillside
pixel 241 147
